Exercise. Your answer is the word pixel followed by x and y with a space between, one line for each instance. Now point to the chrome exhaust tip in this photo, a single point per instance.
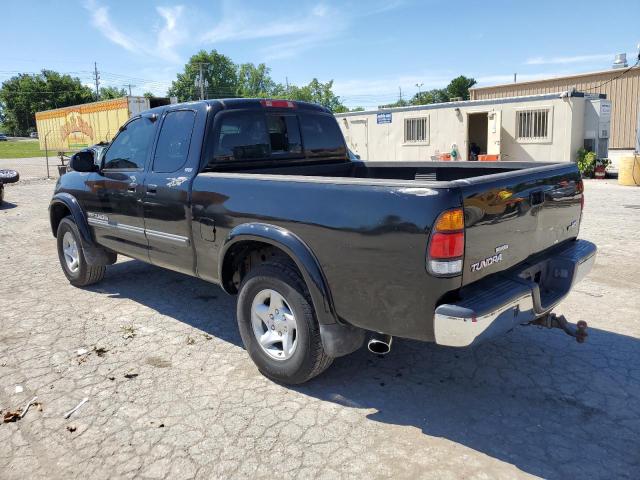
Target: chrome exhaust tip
pixel 380 344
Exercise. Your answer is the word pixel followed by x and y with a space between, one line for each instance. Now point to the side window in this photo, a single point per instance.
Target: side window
pixel 172 148
pixel 242 136
pixel 284 134
pixel 131 147
pixel 321 135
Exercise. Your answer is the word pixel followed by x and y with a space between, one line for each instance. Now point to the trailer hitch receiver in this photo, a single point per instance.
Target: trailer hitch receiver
pixel 551 320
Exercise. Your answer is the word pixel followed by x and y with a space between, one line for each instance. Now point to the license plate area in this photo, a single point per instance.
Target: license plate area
pixel 550 281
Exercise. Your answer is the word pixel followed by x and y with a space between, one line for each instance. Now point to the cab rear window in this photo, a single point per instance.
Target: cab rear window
pixel 321 135
pixel 254 136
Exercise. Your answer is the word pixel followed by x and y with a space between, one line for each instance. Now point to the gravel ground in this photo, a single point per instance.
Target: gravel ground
pixel 172 393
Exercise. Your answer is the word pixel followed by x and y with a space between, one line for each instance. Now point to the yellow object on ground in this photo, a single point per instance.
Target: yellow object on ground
pixel 629 170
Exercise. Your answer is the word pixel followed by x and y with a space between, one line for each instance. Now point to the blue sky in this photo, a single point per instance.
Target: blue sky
pixel 369 48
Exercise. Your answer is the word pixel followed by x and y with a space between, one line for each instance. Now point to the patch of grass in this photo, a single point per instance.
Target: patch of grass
pixel 22 149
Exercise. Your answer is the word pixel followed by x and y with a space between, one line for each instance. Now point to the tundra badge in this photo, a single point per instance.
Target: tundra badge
pixel 486 262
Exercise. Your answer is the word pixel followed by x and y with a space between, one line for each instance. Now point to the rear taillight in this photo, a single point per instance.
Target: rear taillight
pixel 446 245
pixel 580 190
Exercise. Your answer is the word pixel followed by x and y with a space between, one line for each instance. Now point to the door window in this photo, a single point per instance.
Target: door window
pixel 173 144
pixel 130 148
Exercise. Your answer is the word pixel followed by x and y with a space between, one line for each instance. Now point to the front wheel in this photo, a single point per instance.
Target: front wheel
pixel 278 325
pixel 72 259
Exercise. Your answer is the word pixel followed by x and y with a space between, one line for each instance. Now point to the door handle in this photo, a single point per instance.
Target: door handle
pixel 132 187
pixel 152 189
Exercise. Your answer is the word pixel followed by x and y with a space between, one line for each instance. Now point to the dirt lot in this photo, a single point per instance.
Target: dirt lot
pixel 172 393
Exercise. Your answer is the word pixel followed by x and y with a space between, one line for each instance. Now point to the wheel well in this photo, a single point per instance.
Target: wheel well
pixel 243 256
pixel 58 212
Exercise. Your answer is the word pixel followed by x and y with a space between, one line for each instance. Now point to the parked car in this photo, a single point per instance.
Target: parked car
pixel 33 135
pixel 3 137
pixel 263 198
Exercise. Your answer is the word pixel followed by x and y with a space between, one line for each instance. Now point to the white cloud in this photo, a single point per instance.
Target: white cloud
pixel 171 34
pixel 168 37
pixel 100 19
pixel 570 59
pixel 291 33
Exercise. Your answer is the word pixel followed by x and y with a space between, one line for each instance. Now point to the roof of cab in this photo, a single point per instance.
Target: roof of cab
pixel 246 103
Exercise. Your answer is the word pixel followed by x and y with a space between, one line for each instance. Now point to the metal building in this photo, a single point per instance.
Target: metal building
pixel 623 92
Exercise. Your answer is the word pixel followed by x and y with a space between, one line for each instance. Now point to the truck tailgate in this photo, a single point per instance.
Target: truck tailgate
pixel 511 216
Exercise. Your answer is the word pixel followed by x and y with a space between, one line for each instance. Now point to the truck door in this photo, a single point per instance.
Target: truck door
pixel 493 132
pixel 116 212
pixel 167 191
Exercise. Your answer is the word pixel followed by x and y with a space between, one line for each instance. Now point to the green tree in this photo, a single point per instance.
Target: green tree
pixel 220 77
pixel 315 92
pixel 437 95
pixel 254 81
pixel 459 87
pixel 148 95
pixel 399 103
pixel 25 94
pixel 107 93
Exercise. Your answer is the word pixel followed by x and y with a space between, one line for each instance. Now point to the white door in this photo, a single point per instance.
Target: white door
pixel 494 128
pixel 359 143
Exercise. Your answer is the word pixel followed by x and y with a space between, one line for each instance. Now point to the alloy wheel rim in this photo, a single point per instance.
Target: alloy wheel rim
pixel 274 324
pixel 70 251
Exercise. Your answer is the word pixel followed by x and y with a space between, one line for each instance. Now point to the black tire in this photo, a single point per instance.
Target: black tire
pixel 85 274
pixel 309 358
pixel 9 176
pixel 1 193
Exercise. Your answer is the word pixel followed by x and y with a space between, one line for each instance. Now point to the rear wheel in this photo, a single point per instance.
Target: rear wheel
pixel 72 259
pixel 278 325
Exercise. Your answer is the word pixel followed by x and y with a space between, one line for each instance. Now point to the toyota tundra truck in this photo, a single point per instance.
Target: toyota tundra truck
pixel 324 252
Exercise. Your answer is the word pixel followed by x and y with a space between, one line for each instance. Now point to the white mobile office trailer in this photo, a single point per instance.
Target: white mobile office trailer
pixel 550 127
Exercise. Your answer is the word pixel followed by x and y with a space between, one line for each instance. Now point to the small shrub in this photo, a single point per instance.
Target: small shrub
pixel 586 162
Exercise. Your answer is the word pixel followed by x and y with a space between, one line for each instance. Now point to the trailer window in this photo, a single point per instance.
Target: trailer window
pixel 416 130
pixel 130 148
pixel 321 136
pixel 533 124
pixel 173 144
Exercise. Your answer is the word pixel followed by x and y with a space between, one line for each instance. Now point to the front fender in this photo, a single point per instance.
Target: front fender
pixel 299 252
pixel 77 213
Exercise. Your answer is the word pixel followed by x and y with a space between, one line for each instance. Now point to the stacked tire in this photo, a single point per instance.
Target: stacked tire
pixel 7 176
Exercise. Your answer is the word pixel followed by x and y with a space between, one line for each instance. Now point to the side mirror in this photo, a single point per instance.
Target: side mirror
pixel 83 161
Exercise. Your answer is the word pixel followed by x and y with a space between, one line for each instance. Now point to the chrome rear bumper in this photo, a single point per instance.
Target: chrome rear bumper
pixel 497 304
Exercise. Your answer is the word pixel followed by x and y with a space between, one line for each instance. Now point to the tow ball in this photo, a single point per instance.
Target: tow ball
pixel 551 320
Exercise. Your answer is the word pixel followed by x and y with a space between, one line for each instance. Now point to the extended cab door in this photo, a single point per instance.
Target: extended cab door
pixel 167 189
pixel 115 211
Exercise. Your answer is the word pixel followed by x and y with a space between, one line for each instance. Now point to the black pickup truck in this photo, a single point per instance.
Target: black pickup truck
pixel 263 198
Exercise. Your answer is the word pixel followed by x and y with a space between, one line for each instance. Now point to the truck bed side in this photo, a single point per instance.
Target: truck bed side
pixel 369 238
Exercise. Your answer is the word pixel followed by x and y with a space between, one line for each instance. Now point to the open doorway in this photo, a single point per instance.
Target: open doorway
pixel 478 124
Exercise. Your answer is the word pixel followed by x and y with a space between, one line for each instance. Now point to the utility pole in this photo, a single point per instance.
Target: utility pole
pixel 419 85
pixel 515 78
pixel 201 83
pixel 400 90
pixel 286 80
pixel 96 77
pixel 130 86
